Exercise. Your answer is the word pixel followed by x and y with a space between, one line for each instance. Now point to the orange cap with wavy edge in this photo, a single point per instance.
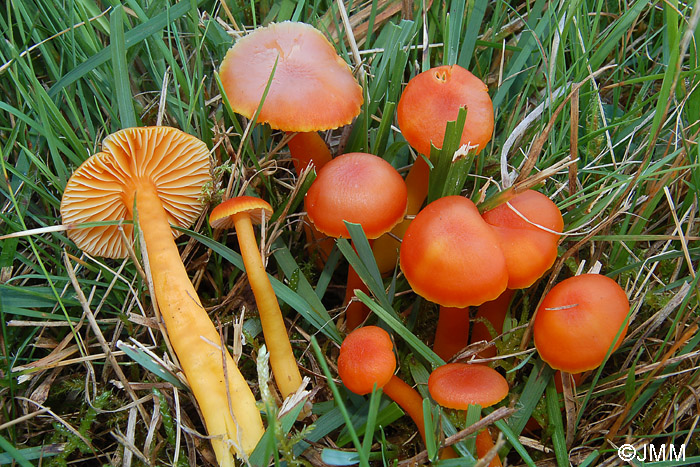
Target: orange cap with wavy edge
pixel 450 256
pixel 221 215
pixel 360 188
pixel 530 249
pixel 577 322
pixel 366 357
pixel 312 88
pixel 434 97
pixel 458 385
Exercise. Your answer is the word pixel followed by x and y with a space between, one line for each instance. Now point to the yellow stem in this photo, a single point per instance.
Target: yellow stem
pixel 284 365
pixel 226 403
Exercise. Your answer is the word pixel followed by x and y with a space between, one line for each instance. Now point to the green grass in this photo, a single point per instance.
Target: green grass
pixel 623 80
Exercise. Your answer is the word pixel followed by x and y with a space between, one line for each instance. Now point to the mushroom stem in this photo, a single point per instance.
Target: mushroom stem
pixel 452 332
pixel 484 443
pixel 408 399
pixel 282 361
pixel 307 148
pixel 225 400
pixel 356 312
pixel 386 247
pixel 412 403
pixel 495 312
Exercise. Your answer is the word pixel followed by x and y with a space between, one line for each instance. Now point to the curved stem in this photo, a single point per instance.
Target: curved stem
pixel 452 332
pixel 412 403
pixel 408 399
pixel 386 247
pixel 224 398
pixel 284 365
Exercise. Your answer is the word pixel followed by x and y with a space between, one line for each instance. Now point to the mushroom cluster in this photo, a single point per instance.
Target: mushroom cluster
pixel 289 77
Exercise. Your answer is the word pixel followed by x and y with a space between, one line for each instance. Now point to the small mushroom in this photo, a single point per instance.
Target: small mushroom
pixel 359 188
pixel 367 359
pixel 450 256
pixel 429 101
pixel 458 385
pixel 240 213
pixel 578 319
pixel 161 171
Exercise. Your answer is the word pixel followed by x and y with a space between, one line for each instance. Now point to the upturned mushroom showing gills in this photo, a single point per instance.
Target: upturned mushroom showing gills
pixel 578 320
pixel 241 212
pixel 429 101
pixel 450 256
pixel 160 171
pixel 528 227
pixel 359 188
pixel 312 88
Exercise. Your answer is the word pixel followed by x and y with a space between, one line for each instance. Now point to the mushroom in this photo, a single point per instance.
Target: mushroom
pixel 160 172
pixel 450 256
pixel 578 320
pixel 367 359
pixel 528 227
pixel 359 188
pixel 312 88
pixel 458 385
pixel 429 101
pixel 241 212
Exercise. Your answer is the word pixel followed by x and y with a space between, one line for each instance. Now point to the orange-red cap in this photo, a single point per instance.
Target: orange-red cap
pixel 102 188
pixel 359 188
pixel 578 320
pixel 450 256
pixel 366 358
pixel 221 216
pixel 312 88
pixel 434 97
pixel 458 385
pixel 530 249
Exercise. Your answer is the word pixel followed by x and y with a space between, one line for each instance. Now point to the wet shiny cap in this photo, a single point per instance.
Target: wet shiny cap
pixel 457 385
pixel 450 256
pixel 359 188
pixel 312 88
pixel 434 97
pixel 366 357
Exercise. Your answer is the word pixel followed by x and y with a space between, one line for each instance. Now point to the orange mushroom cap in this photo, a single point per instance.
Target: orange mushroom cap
pixel 312 88
pixel 221 215
pixel 434 97
pixel 530 250
pixel 578 320
pixel 366 357
pixel 359 188
pixel 102 188
pixel 450 256
pixel 458 385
